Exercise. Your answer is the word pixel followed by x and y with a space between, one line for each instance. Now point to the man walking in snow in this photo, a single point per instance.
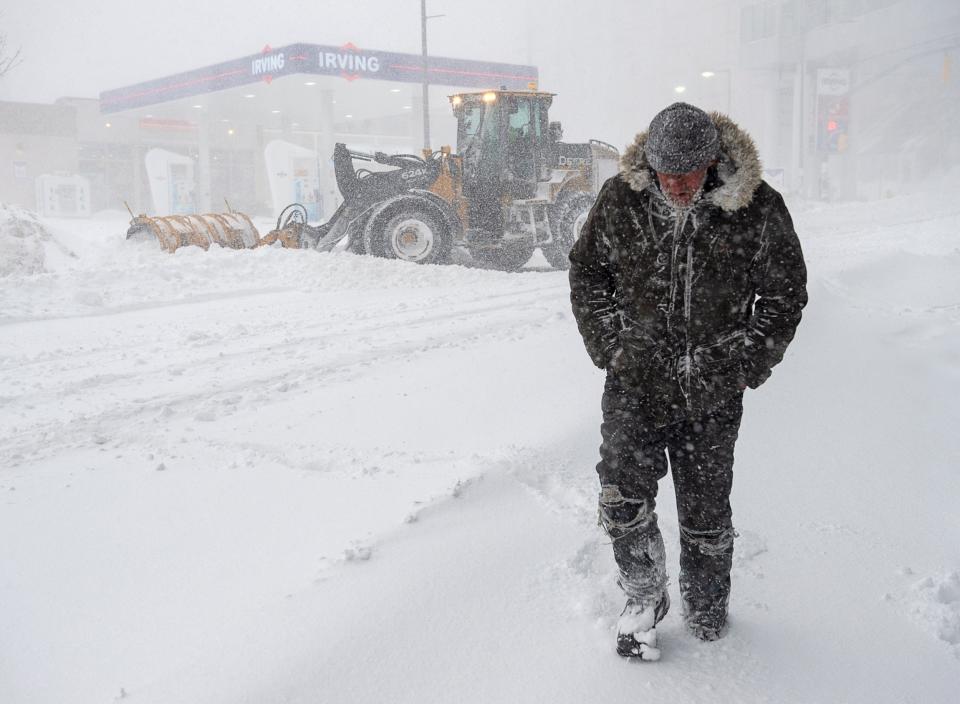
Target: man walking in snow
pixel 687 283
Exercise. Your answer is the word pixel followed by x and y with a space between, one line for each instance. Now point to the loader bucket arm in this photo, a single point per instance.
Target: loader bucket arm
pixel 366 187
pixel 347 180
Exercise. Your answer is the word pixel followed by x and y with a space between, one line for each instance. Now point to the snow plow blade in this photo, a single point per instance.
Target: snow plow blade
pixel 232 230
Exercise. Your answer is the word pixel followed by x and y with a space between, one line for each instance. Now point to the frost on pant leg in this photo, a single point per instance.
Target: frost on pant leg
pixel 706 558
pixel 702 458
pixel 632 461
pixel 637 544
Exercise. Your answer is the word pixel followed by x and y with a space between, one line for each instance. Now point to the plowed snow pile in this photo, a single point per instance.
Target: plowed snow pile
pixel 22 241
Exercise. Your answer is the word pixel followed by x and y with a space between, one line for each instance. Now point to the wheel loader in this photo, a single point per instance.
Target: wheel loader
pixel 513 185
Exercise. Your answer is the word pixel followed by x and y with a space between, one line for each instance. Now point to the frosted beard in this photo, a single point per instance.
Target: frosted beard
pixel 687 203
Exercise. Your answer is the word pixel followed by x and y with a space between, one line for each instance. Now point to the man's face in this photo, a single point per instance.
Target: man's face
pixel 681 189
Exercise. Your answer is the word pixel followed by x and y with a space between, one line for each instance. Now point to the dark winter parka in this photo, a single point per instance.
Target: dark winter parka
pixel 690 305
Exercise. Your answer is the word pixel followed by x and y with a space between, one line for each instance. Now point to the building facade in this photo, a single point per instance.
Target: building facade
pixel 854 98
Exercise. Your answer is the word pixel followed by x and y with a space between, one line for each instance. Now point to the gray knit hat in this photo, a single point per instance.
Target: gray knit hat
pixel 681 138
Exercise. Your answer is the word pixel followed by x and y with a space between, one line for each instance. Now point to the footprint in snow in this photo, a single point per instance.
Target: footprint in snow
pixel 357 553
pixel 934 604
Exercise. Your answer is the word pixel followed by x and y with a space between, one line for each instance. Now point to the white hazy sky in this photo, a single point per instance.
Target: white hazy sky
pixel 613 62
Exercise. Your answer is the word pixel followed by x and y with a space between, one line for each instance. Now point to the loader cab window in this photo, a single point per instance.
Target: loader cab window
pixel 470 124
pixel 477 126
pixel 520 144
pixel 518 120
pixel 541 120
pixel 478 140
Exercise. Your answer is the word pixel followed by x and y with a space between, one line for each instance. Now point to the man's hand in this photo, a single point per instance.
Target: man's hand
pixel 617 361
pixel 625 367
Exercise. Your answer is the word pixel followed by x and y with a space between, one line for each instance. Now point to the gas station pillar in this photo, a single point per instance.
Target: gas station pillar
pixel 329 193
pixel 202 202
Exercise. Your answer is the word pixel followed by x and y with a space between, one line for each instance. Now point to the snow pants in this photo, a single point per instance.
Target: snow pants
pixel 633 460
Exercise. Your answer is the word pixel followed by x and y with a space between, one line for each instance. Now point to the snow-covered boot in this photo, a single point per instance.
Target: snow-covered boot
pixel 706 557
pixel 637 628
pixel 706 623
pixel 707 633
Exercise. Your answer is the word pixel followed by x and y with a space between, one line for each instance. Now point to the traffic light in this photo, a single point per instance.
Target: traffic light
pixel 834 121
pixel 837 135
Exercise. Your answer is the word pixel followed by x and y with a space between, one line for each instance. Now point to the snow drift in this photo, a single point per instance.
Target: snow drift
pixel 23 240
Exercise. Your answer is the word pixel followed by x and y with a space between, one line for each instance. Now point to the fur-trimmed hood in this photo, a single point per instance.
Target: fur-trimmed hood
pixel 738 168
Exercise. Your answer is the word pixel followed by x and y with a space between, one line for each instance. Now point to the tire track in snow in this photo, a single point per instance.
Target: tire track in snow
pixel 474 323
pixel 198 299
pixel 220 359
pixel 401 309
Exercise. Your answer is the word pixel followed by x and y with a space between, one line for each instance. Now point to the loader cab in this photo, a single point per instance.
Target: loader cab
pixel 504 139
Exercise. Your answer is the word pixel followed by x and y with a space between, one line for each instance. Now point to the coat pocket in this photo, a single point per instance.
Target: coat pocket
pixel 643 362
pixel 719 366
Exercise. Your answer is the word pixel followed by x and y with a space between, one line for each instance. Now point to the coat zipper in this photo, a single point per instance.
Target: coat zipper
pixel 686 363
pixel 687 297
pixel 679 224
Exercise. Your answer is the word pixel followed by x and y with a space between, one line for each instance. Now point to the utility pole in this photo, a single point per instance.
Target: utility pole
pixel 426 77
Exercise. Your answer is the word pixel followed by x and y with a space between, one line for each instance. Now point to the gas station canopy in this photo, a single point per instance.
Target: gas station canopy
pixel 347 61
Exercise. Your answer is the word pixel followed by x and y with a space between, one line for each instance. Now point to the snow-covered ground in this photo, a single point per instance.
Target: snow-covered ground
pixel 275 476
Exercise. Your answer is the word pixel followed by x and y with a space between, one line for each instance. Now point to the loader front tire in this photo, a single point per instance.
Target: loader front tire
pixel 410 235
